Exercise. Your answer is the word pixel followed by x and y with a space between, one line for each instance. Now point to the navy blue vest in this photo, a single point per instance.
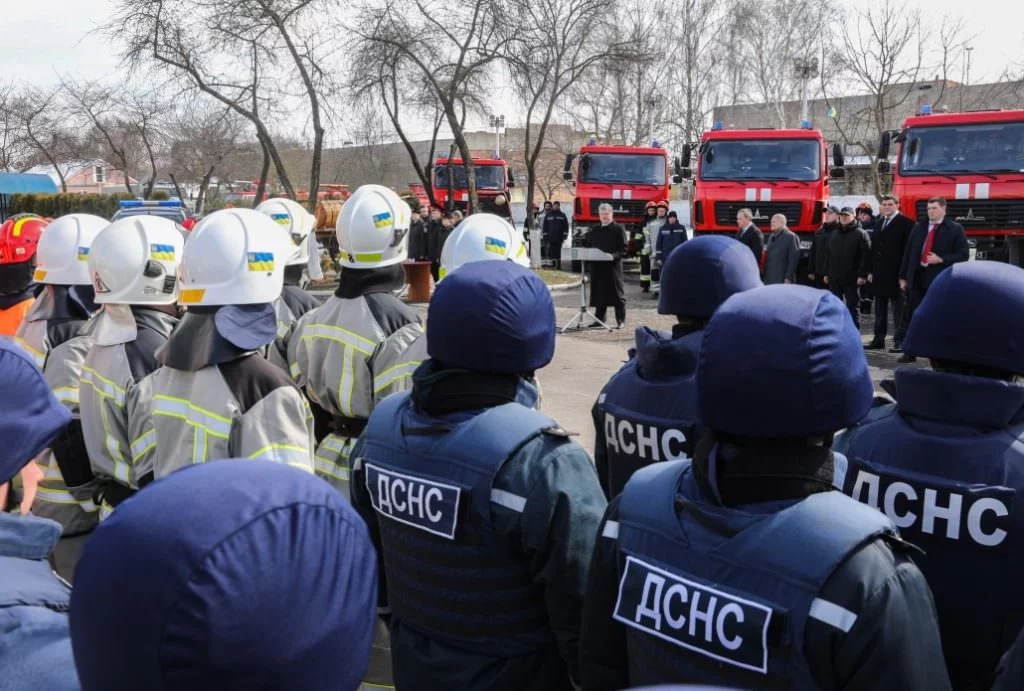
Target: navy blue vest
pixel 953 494
pixel 715 595
pixel 646 419
pixel 449 576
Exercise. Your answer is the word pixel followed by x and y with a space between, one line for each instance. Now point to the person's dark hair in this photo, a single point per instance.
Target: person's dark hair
pixel 890 198
pixel 558 204
pixel 941 201
pixel 968 370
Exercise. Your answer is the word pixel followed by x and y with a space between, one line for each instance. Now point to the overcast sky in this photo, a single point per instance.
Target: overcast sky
pixel 54 37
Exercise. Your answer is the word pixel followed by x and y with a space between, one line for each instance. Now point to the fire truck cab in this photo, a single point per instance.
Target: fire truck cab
pixel 627 177
pixel 769 171
pixel 493 180
pixel 975 160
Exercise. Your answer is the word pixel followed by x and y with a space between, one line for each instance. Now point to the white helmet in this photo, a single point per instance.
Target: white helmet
pixel 373 228
pixel 62 256
pixel 134 261
pixel 234 257
pixel 296 222
pixel 482 237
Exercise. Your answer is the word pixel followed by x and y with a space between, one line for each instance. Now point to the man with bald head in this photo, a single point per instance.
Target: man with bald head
pixel 783 253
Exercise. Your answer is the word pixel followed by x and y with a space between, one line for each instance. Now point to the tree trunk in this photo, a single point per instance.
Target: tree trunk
pixel 177 187
pixel 261 187
pixel 204 185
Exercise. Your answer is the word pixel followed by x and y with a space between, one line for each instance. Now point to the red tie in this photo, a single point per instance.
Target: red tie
pixel 928 242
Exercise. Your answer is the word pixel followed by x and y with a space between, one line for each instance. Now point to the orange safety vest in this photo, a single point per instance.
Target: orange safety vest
pixel 11 318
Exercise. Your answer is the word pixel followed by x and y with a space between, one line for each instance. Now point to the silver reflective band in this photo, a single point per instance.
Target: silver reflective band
pixel 832 614
pixel 508 500
pixel 611 530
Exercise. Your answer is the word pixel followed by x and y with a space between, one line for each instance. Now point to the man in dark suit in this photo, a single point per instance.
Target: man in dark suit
pixel 934 246
pixel 556 228
pixel 888 244
pixel 749 234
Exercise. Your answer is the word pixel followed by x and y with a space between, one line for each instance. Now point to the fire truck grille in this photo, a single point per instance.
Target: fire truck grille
pixel 974 213
pixel 725 212
pixel 622 207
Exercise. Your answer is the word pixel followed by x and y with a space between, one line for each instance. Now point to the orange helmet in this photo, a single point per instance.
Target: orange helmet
pixel 650 205
pixel 663 204
pixel 19 238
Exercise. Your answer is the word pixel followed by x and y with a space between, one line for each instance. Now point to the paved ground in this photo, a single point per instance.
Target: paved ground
pixel 584 360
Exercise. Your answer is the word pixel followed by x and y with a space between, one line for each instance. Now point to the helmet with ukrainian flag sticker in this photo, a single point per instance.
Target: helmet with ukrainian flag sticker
pixel 62 257
pixel 233 257
pixel 134 261
pixel 482 237
pixel 373 228
pixel 295 221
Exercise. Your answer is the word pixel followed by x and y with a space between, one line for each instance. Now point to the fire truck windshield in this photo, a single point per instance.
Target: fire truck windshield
pixel 761 159
pixel 981 148
pixel 487 177
pixel 637 169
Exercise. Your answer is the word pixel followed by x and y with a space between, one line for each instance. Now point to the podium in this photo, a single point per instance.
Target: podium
pixel 584 255
pixel 417 279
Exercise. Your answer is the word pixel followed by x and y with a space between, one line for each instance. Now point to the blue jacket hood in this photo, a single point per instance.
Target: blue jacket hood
pixel 958 400
pixel 233 574
pixel 659 356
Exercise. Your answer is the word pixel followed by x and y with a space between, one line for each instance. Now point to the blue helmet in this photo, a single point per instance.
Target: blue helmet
pixel 702 273
pixel 782 361
pixel 492 317
pixel 30 415
pixel 236 574
pixel 972 313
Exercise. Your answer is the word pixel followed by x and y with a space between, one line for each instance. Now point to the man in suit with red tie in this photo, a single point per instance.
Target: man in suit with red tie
pixel 934 245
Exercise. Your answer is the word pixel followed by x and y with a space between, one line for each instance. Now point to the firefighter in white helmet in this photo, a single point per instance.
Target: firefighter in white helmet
pixel 60 313
pixel 481 237
pixel 333 352
pixel 297 225
pixel 215 396
pixel 134 267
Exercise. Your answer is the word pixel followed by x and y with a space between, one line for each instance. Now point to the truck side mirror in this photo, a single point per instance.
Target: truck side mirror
pixel 511 178
pixel 687 155
pixel 837 156
pixel 883 147
pixel 567 175
pixel 677 179
pixel 567 170
pixel 883 166
pixel 686 173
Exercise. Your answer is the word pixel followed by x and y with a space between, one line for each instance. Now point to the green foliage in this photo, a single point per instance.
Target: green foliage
pixel 54 205
pixel 159 196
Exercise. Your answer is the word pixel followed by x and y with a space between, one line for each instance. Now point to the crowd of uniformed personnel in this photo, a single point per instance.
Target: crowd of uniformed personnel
pixel 388 506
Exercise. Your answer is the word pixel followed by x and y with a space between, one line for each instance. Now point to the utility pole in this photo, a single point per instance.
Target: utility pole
pixel 805 69
pixel 498 123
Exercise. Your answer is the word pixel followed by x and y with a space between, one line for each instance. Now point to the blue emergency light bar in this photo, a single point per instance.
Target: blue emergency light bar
pixel 717 125
pixel 926 109
pixel 136 203
pixel 655 144
pixel 805 124
pixel 591 142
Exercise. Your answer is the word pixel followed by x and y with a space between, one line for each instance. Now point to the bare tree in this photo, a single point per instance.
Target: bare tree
pixel 450 45
pixel 205 134
pixel 559 45
pixel 229 67
pixel 889 51
pixel 40 114
pixel 15 149
pixel 369 129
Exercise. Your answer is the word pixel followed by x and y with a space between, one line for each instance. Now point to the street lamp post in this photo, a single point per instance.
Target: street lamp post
pixel 805 69
pixel 498 123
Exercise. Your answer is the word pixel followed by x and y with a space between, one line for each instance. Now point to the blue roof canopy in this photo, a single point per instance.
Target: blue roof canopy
pixel 26 183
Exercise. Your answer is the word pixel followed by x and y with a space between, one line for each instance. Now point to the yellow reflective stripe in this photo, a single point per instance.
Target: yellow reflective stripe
pixel 282 453
pixel 199 445
pixel 63 498
pixel 368 256
pixel 105 511
pixel 332 456
pixel 295 370
pixel 346 383
pixel 102 386
pixel 143 444
pixel 326 467
pixel 343 336
pixel 37 356
pixel 68 395
pixel 282 329
pixel 210 423
pixel 394 374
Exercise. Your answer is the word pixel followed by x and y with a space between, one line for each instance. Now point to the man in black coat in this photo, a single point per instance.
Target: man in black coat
pixel 436 235
pixel 418 235
pixel 606 284
pixel 749 234
pixel 933 247
pixel 849 256
pixel 817 260
pixel 888 244
pixel 556 228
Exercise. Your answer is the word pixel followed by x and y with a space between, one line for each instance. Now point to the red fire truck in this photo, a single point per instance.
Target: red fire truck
pixel 768 171
pixel 493 180
pixel 975 160
pixel 627 177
